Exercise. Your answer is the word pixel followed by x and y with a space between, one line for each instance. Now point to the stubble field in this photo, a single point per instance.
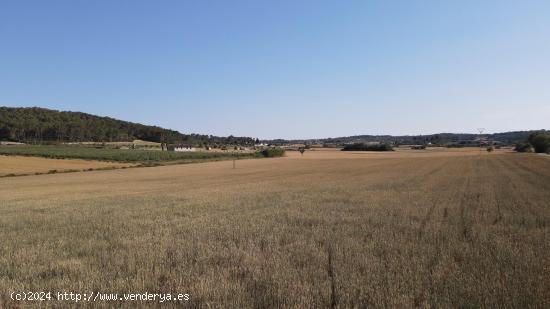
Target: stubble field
pixel 434 228
pixel 16 165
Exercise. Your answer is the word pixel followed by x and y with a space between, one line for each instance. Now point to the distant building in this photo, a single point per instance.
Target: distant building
pixel 181 148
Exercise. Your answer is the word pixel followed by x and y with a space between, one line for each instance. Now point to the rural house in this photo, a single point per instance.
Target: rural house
pixel 181 148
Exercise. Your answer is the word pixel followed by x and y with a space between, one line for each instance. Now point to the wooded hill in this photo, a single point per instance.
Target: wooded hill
pixel 39 125
pixel 436 139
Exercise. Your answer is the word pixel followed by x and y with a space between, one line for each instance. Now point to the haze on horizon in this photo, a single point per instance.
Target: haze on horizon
pixel 286 69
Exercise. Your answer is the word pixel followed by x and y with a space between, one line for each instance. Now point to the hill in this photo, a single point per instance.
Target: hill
pixel 40 125
pixel 436 139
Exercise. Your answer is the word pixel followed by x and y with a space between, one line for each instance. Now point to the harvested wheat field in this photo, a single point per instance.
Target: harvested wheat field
pixel 17 165
pixel 433 228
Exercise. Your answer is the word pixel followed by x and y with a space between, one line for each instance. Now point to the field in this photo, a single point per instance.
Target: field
pixel 117 155
pixel 15 165
pixel 433 228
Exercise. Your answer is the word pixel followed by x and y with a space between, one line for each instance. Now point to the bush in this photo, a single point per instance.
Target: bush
pixel 271 152
pixel 540 142
pixel 454 145
pixel 490 149
pixel 523 147
pixel 366 147
pixel 416 147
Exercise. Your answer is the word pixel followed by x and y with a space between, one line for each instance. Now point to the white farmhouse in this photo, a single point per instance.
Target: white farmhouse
pixel 182 148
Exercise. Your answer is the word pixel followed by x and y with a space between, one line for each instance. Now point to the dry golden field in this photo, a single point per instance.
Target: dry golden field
pixel 15 165
pixel 433 228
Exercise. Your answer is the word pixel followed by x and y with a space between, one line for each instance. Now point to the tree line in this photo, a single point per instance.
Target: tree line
pixel 39 125
pixel 441 139
pixel 367 147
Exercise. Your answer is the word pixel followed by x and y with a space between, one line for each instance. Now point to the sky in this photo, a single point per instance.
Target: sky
pixel 283 69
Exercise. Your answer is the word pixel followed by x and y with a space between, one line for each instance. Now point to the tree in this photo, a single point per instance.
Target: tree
pixel 540 142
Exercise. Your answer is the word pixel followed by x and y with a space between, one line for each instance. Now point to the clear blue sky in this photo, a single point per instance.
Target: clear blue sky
pixel 288 69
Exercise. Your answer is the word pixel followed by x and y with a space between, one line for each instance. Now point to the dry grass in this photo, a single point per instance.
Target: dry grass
pixel 330 229
pixel 14 165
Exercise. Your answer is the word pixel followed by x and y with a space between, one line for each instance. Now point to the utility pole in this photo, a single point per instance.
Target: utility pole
pixel 480 130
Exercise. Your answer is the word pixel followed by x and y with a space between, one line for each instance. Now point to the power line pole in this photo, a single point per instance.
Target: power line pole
pixel 480 130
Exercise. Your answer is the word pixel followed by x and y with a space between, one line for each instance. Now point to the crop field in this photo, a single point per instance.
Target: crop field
pixel 117 155
pixel 426 228
pixel 16 165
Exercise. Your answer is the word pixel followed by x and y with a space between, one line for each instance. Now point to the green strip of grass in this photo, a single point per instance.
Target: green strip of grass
pixel 116 155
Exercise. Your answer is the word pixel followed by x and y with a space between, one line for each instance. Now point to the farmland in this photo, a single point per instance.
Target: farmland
pixel 17 166
pixel 117 155
pixel 426 228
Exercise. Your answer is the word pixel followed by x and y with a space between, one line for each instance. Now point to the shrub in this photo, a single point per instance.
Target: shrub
pixel 367 147
pixel 523 147
pixel 417 147
pixel 271 152
pixel 454 145
pixel 490 149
